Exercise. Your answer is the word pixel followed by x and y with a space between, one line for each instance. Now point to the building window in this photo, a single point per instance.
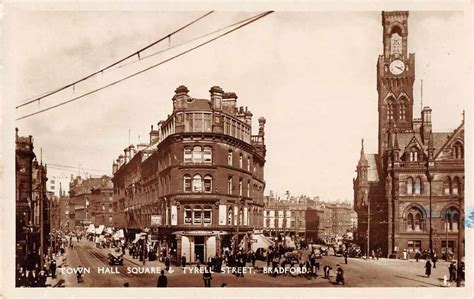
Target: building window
pixel 390 110
pixel 241 161
pixel 414 220
pixel 187 183
pixel 207 215
pixel 458 151
pixel 229 217
pixel 207 154
pixel 197 154
pixel 197 215
pixel 240 187
pixel 409 186
pixel 103 207
pixel 208 183
pixel 414 245
pixel 417 189
pixel 188 155
pixel 413 154
pixel 248 188
pixel 110 219
pixel 197 183
pixel 229 185
pixel 187 215
pixel 229 158
pixel 207 122
pixel 52 181
pixel 402 111
pixel 248 163
pixel 455 186
pixel 447 185
pixel 110 208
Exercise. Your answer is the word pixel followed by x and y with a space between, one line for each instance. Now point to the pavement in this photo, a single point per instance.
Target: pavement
pixel 358 273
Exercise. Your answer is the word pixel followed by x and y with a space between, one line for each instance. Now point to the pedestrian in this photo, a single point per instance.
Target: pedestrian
pixel 162 280
pixel 326 270
pixel 52 268
pixel 79 274
pixel 42 279
pixel 167 263
pixel 126 285
pixel 428 268
pixel 417 256
pixel 345 256
pixel 34 279
pixel 461 272
pixel 434 259
pixel 207 276
pixel 339 275
pixel 452 271
pixel 183 260
pixel 373 254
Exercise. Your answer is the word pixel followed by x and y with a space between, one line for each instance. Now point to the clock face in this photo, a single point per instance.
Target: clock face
pixel 397 67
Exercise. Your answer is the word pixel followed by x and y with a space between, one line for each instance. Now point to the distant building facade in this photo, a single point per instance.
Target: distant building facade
pixel 295 217
pixel 32 206
pixel 90 202
pixel 412 190
pixel 199 180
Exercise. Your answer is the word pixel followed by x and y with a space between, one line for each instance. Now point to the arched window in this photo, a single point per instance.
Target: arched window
pixel 241 161
pixel 207 215
pixel 390 109
pixel 417 222
pixel 447 185
pixel 229 185
pixel 229 158
pixel 402 112
pixel 188 215
pixel 187 183
pixel 414 220
pixel 451 219
pixel 409 186
pixel 458 151
pixel 208 183
pixel 455 222
pixel 417 187
pixel 240 187
pixel 455 186
pixel 229 216
pixel 248 163
pixel 197 215
pixel 197 154
pixel 197 183
pixel 241 215
pixel 396 40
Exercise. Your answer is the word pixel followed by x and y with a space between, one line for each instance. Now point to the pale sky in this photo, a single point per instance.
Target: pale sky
pixel 312 75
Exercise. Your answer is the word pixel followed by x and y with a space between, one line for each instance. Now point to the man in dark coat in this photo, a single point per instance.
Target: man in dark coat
pixel 452 271
pixel 345 257
pixel 183 261
pixel 167 263
pixel 207 276
pixel 52 268
pixel 434 259
pixel 428 268
pixel 162 280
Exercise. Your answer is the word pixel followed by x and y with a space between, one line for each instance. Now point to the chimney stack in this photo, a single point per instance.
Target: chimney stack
pixel 426 127
pixel 216 97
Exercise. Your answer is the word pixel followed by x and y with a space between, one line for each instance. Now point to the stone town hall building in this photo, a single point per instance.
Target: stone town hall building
pixel 414 168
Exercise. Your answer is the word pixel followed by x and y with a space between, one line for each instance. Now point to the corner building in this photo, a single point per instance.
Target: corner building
pixel 200 180
pixel 409 195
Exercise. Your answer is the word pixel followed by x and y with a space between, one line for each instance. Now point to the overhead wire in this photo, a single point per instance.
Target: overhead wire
pixel 257 17
pixel 113 64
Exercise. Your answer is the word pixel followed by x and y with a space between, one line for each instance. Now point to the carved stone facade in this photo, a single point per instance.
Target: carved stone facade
pixel 415 183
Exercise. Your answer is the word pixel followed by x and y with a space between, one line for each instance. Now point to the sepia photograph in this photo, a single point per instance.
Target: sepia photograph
pixel 236 148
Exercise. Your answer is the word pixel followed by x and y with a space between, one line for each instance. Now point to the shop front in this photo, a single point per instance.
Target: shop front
pixel 198 246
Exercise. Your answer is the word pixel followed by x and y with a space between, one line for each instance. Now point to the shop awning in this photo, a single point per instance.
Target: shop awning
pixel 99 230
pixel 91 229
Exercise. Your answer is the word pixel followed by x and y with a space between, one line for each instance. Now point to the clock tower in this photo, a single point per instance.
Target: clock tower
pixel 395 77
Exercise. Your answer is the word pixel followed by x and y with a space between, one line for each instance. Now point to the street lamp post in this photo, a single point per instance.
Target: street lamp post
pixel 430 179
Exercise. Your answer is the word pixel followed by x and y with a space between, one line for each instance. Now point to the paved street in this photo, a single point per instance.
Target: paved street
pixel 358 273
